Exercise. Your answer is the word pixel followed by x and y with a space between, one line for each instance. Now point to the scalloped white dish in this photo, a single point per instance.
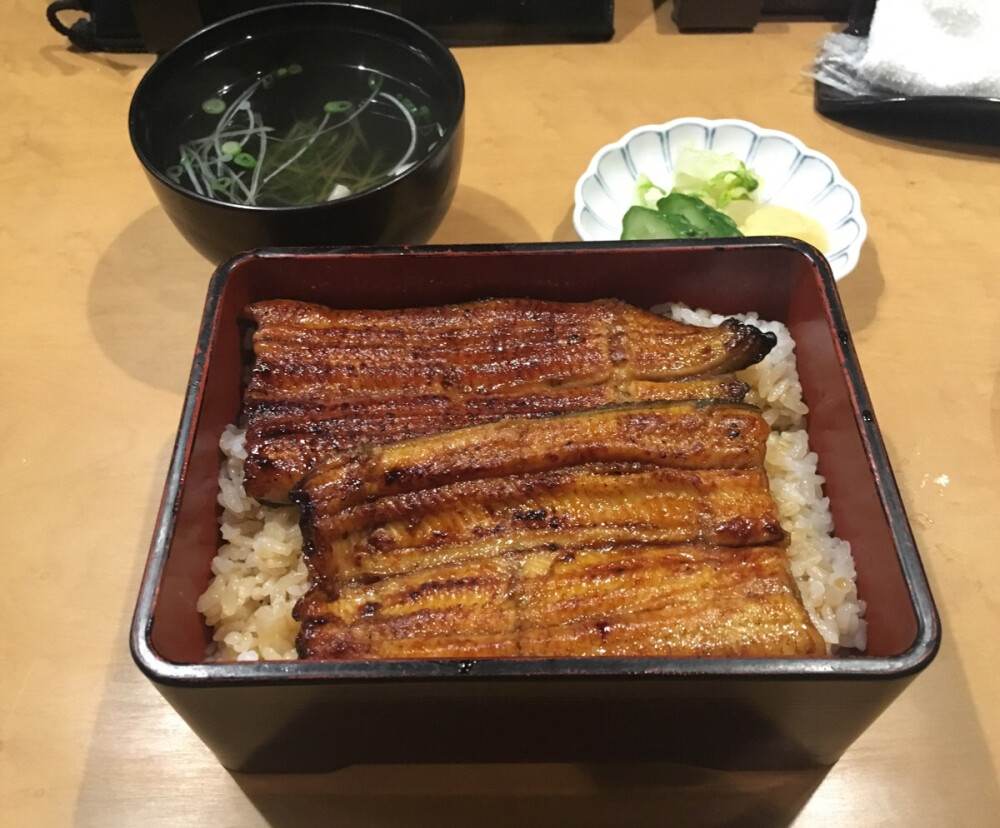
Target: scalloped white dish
pixel 792 175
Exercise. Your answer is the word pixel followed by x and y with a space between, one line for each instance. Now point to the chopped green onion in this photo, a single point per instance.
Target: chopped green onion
pixel 333 107
pixel 214 106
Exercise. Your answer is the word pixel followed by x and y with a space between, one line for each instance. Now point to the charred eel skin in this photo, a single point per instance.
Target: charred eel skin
pixel 644 600
pixel 640 529
pixel 687 434
pixel 325 380
pixel 671 471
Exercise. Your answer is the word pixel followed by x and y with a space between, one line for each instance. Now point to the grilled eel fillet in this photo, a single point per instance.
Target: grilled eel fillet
pixel 324 380
pixel 684 600
pixel 629 530
pixel 676 471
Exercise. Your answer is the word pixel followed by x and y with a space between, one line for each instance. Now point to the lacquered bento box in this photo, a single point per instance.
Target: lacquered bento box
pixel 303 716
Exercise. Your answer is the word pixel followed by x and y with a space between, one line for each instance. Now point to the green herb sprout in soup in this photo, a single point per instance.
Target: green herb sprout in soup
pixel 295 136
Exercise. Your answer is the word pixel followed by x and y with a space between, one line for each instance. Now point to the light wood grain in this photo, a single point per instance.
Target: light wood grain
pixel 101 302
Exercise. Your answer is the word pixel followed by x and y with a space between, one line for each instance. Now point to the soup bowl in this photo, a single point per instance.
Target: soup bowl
pixel 302 125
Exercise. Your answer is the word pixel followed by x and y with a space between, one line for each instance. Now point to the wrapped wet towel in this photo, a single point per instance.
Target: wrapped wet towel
pixel 919 47
pixel 935 47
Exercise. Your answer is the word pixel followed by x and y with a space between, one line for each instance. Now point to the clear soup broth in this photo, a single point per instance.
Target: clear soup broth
pixel 275 123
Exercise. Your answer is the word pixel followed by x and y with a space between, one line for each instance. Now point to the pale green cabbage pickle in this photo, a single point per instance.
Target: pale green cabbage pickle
pixel 716 178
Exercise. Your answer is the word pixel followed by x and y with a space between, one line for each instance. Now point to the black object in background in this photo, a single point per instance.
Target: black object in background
pixel 97 25
pixel 743 15
pixel 157 25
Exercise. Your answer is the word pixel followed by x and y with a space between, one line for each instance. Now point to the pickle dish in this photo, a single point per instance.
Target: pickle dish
pixel 804 183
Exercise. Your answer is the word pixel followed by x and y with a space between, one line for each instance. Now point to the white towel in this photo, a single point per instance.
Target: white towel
pixel 935 47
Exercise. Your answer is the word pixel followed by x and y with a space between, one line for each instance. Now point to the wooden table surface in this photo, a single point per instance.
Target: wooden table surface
pixel 101 300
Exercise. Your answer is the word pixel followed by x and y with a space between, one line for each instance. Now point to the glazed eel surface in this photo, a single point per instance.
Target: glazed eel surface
pixel 634 529
pixel 326 380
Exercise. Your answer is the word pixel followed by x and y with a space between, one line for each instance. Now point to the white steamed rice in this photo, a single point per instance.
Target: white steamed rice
pixel 259 572
pixel 821 563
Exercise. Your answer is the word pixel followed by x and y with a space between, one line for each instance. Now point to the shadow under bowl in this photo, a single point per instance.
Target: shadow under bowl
pixel 320 43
